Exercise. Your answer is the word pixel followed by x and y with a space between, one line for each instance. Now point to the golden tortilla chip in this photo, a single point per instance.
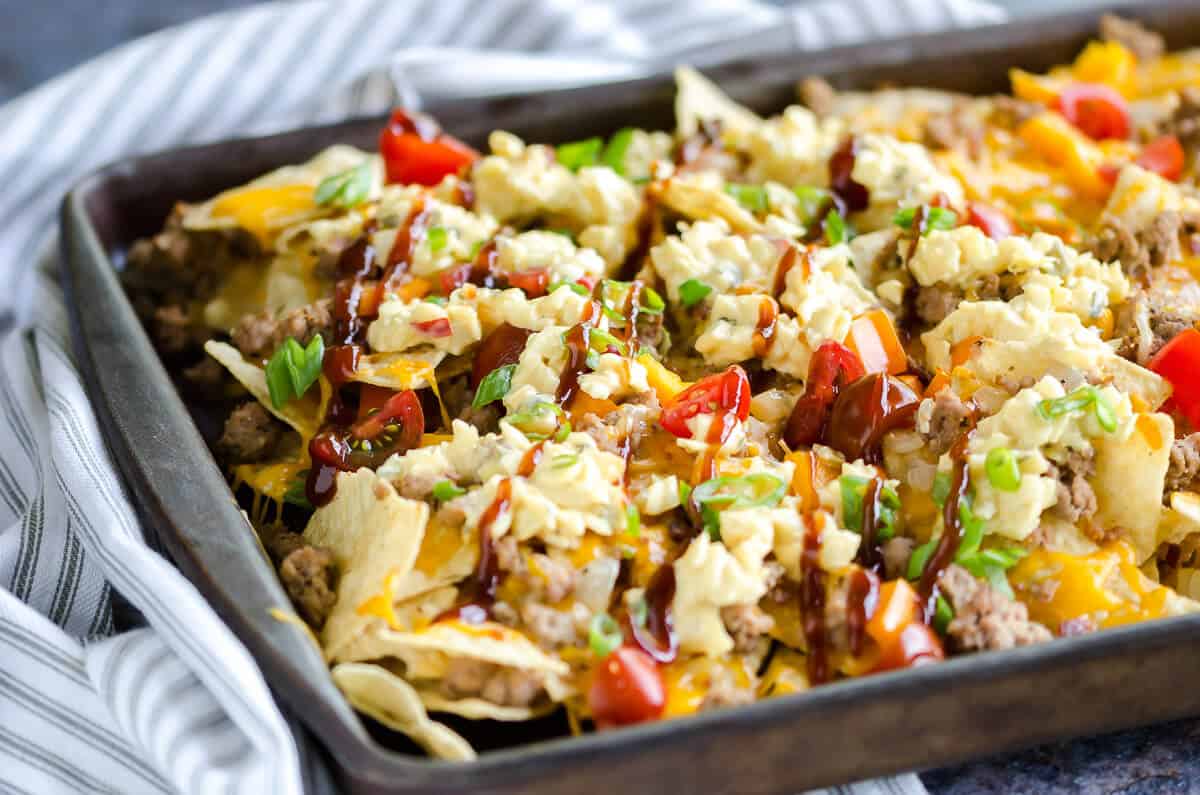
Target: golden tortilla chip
pixel 698 99
pixel 699 201
pixel 479 709
pixel 1129 480
pixel 303 414
pixel 376 691
pixel 406 370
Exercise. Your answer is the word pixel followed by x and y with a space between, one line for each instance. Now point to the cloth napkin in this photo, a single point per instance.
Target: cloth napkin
pixel 179 705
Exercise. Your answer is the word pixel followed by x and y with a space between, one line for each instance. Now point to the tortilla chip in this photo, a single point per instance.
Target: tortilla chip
pixel 698 201
pixel 479 709
pixel 1129 481
pixel 374 534
pixel 426 653
pixel 406 370
pixel 698 99
pixel 303 414
pixel 376 691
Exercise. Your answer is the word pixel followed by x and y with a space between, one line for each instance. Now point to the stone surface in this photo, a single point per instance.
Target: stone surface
pixel 37 43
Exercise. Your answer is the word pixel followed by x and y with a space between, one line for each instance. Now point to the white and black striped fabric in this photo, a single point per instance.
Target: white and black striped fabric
pixel 180 706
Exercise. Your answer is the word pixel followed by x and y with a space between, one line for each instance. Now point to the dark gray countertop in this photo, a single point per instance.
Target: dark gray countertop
pixel 42 38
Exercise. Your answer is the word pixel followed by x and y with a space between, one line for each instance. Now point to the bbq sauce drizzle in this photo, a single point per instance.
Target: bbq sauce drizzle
pixel 657 637
pixel 952 532
pixel 812 601
pixel 479 594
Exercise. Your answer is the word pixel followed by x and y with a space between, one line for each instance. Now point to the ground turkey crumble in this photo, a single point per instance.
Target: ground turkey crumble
pixel 985 619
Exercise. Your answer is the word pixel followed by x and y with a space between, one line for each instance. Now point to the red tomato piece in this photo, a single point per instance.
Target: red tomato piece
pixel 438 327
pixel 1179 362
pixel 403 409
pixel 727 393
pixel 1164 156
pixel 415 152
pixel 1096 109
pixel 993 221
pixel 626 688
pixel 532 282
pixel 832 364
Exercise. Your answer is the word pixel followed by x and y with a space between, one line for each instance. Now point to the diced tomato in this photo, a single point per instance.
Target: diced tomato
pixel 1164 156
pixel 1179 362
pixel 438 327
pixel 902 638
pixel 626 688
pixel 726 393
pixel 994 223
pixel 532 282
pixel 403 409
pixel 453 278
pixel 1096 109
pixel 832 364
pixel 1109 172
pixel 415 152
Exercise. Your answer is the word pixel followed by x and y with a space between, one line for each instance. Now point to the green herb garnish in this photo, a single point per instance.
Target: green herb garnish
pixel 296 493
pixel 812 202
pixel 1003 471
pixel 494 386
pixel 752 197
pixel 692 292
pixel 347 189
pixel 1085 397
pixel 836 229
pixel 577 154
pixel 604 635
pixel 574 287
pixel 437 236
pixel 293 369
pixel 735 492
pixel 854 495
pixel 613 155
pixel 447 490
pixel 931 218
pixel 633 521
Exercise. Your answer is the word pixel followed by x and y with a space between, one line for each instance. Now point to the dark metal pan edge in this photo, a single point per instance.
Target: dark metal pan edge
pixel 121 370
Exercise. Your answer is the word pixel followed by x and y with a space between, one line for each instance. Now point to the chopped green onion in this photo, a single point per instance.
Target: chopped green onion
pixel 904 217
pixel 476 247
pixel 296 493
pixel 564 461
pixel 538 411
pixel 447 490
pixel 600 341
pixel 942 616
pixel 836 228
pixel 494 386
pixel 604 635
pixel 1003 472
pixel 692 292
pixel 577 154
pixel 854 493
pixel 437 236
pixel 293 369
pixel 574 287
pixel 440 300
pixel 931 218
pixel 685 493
pixel 941 488
pixel 347 189
pixel 812 202
pixel 920 556
pixel 633 521
pixel 1085 397
pixel 613 155
pixel 652 302
pixel 752 197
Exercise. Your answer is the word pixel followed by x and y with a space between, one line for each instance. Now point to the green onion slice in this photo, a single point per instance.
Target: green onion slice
pixel 1003 471
pixel 752 197
pixel 447 490
pixel 604 635
pixel 494 386
pixel 577 154
pixel 292 369
pixel 692 292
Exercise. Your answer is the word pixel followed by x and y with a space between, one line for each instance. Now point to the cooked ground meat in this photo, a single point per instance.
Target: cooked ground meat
pixel 896 552
pixel 1143 43
pixel 457 395
pixel 205 378
pixel 550 628
pixel 935 301
pixel 308 575
pixel 817 95
pixel 506 687
pixel 257 336
pixel 950 415
pixel 625 427
pixel 1147 321
pixel 747 624
pixel 1076 498
pixel 1185 464
pixel 173 330
pixel 548 579
pixel 1140 249
pixel 724 692
pixel 250 434
pixel 1185 120
pixel 984 618
pixel 955 128
pixel 176 266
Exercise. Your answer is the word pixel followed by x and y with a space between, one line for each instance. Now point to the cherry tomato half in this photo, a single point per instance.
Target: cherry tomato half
pixel 991 220
pixel 1179 362
pixel 832 364
pixel 532 282
pixel 403 409
pixel 415 152
pixel 726 393
pixel 1096 109
pixel 626 688
pixel 1164 156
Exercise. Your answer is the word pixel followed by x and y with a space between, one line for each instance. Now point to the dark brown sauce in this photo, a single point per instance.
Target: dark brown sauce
pixel 330 454
pixel 952 533
pixel 633 305
pixel 479 594
pixel 867 409
pixel 764 330
pixel 577 350
pixel 812 602
pixel 657 638
pixel 861 595
pixel 340 363
pixel 789 260
pixel 408 238
pixel 848 194
pixel 868 550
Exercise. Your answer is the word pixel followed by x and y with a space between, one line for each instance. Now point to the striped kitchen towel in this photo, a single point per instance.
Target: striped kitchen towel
pixel 180 706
